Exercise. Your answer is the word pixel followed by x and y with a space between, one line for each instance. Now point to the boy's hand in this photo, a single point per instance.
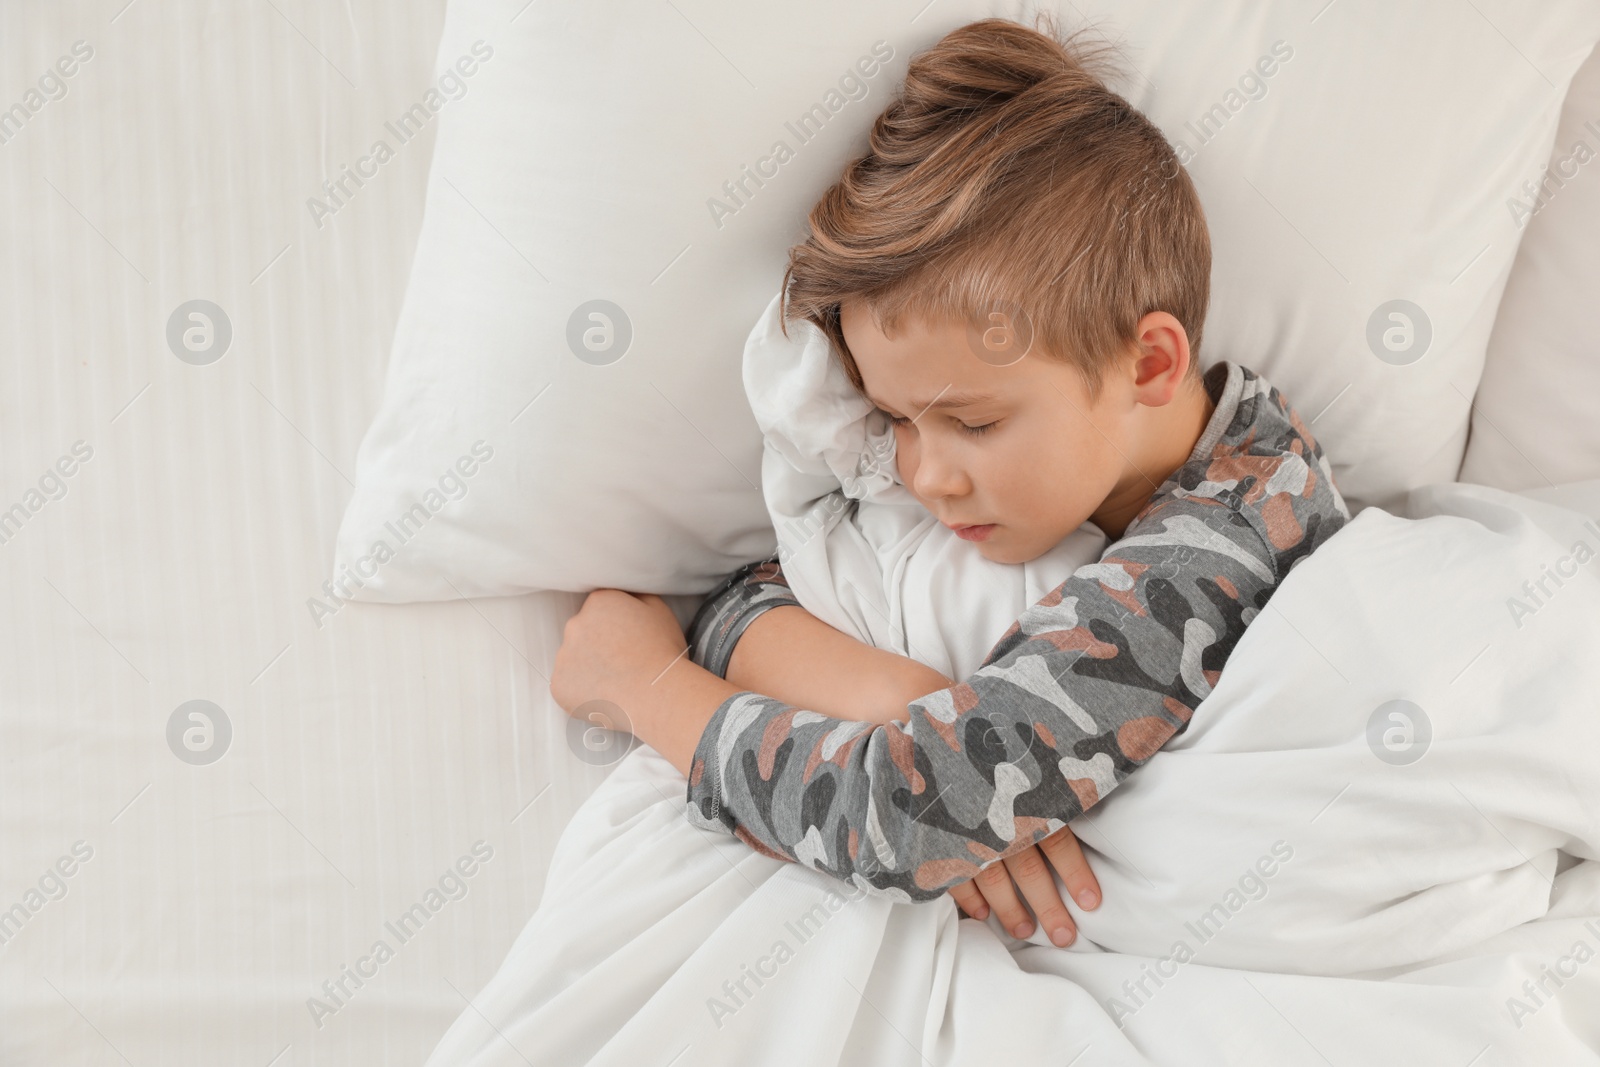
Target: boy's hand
pixel 613 649
pixel 993 886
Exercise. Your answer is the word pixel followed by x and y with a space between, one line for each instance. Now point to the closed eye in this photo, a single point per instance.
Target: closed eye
pixel 971 431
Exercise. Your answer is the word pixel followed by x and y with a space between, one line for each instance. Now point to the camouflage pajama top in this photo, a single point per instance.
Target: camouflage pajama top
pixel 1082 689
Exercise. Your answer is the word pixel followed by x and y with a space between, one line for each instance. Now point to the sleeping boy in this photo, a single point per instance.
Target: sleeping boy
pixel 1017 273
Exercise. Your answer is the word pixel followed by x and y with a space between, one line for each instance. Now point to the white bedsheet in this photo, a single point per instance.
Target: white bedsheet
pixel 1275 892
pixel 367 755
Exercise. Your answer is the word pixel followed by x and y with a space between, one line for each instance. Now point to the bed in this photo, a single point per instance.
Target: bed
pixel 224 781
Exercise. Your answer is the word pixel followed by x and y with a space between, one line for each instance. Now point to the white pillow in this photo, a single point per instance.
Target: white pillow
pixel 1534 421
pixel 598 154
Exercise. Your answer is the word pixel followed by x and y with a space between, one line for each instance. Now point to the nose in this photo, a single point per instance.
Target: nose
pixel 933 474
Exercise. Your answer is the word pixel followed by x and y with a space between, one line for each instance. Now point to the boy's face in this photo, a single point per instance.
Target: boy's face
pixel 1019 449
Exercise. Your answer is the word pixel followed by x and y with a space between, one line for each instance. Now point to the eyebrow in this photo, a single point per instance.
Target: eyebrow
pixel 947 399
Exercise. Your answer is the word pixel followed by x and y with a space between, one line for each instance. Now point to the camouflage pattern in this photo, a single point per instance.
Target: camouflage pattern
pixel 1083 689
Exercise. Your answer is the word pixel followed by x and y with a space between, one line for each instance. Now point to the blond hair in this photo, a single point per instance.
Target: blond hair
pixel 1005 174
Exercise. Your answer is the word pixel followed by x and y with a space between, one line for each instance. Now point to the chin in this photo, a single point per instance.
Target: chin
pixel 1003 554
pixel 1010 552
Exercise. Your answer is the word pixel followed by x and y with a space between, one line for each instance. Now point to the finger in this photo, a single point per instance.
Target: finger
pixel 970 900
pixel 1066 856
pixel 994 882
pixel 1032 874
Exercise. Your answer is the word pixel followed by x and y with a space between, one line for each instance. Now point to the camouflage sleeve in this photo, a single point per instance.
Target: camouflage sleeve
pixel 728 609
pixel 1080 692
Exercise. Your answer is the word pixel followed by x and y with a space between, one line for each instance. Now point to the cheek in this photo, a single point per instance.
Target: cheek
pixel 1024 477
pixel 905 453
pixel 1056 475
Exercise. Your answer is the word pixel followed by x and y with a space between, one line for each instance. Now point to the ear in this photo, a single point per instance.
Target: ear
pixel 1162 363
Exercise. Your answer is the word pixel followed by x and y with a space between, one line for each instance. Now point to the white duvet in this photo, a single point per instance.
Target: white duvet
pixel 1378 841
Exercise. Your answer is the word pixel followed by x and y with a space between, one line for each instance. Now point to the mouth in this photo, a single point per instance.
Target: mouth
pixel 973 533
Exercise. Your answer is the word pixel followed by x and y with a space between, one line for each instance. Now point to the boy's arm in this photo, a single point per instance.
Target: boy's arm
pixel 791 655
pixel 752 631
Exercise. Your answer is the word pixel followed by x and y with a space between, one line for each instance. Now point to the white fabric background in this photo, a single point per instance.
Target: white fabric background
pixel 377 748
